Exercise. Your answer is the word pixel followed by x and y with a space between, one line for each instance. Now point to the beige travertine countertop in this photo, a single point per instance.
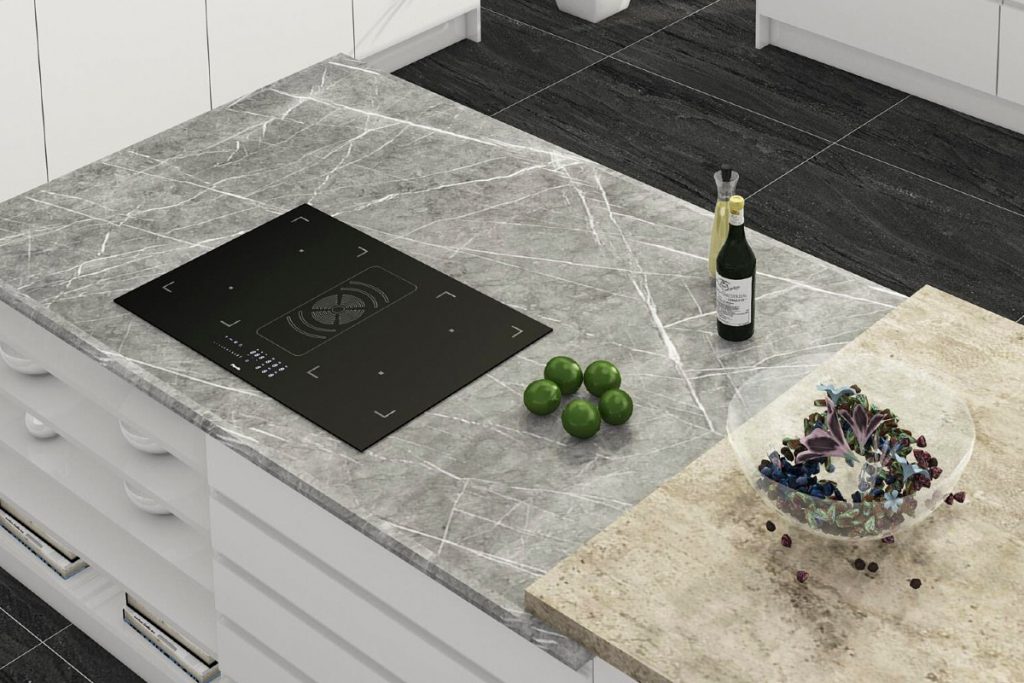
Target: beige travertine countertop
pixel 689 586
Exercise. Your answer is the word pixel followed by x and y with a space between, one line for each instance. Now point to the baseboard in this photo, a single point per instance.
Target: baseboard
pixel 462 27
pixel 914 81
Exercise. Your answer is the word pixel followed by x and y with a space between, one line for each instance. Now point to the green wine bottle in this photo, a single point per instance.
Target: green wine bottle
pixel 735 286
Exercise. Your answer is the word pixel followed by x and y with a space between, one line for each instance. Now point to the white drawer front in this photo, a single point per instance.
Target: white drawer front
pixel 343 609
pixel 1011 55
pixel 246 660
pixel 309 649
pixel 953 39
pixel 22 154
pixel 256 42
pixel 380 24
pixel 115 72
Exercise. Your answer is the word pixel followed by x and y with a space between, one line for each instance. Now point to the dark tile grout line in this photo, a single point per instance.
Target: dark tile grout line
pixel 605 56
pixel 932 180
pixel 831 145
pixel 721 99
pixel 43 643
pixel 834 143
pixel 541 30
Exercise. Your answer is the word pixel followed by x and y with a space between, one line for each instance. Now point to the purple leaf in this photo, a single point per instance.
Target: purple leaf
pixel 821 444
pixel 863 427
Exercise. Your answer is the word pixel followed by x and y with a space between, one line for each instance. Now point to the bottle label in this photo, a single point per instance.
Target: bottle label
pixel 736 218
pixel 734 300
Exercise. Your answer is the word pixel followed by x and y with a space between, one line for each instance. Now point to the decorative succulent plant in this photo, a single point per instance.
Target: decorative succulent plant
pixel 893 465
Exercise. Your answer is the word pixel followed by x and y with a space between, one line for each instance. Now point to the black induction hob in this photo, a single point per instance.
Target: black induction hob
pixel 352 334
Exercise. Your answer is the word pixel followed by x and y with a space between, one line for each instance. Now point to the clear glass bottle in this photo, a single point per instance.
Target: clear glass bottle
pixel 726 179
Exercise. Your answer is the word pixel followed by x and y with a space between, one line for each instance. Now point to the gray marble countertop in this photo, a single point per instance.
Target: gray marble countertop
pixel 477 492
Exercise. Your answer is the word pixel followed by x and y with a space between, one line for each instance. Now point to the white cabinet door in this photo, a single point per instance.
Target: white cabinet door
pixel 22 152
pixel 1011 55
pixel 256 42
pixel 115 72
pixel 380 24
pixel 953 39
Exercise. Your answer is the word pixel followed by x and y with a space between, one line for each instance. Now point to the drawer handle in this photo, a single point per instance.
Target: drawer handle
pixel 38 428
pixel 144 500
pixel 139 440
pixel 19 363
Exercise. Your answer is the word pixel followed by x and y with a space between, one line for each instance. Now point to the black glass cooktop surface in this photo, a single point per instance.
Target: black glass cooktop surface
pixel 347 331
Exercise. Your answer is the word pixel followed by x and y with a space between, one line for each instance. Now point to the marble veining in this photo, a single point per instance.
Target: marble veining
pixel 478 493
pixel 694 588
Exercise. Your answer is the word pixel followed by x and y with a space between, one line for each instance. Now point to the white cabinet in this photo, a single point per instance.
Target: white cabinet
pixel 118 71
pixel 380 24
pixel 256 42
pixel 22 154
pixel 953 39
pixel 1011 53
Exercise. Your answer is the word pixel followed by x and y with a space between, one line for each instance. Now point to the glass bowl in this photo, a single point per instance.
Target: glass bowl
pixel 764 412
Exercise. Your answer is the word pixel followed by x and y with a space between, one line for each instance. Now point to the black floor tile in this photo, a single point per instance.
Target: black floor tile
pixel 41 665
pixel 661 133
pixel 14 640
pixel 640 19
pixel 896 229
pixel 91 659
pixel 514 60
pixel 971 155
pixel 714 51
pixel 26 607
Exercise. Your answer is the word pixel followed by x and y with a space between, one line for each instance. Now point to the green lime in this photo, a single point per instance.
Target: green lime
pixel 542 397
pixel 601 376
pixel 565 372
pixel 616 406
pixel 581 419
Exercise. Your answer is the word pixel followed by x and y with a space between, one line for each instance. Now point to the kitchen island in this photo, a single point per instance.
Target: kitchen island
pixel 408 561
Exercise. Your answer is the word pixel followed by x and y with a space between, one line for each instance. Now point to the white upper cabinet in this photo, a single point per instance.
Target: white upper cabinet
pixel 954 39
pixel 22 154
pixel 1011 57
pixel 115 72
pixel 380 24
pixel 256 42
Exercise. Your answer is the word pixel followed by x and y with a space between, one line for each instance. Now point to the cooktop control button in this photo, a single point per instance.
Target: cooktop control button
pixel 445 293
pixel 385 415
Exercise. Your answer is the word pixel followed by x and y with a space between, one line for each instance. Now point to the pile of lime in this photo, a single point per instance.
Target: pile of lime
pixel 581 418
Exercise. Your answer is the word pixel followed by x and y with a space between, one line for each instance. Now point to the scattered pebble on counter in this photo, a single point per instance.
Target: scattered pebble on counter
pixel 915 583
pixel 786 540
pixel 960 496
pixel 921 441
pixel 801 576
pixel 949 499
pixel 769 525
pixel 859 564
pixel 889 539
pixel 872 567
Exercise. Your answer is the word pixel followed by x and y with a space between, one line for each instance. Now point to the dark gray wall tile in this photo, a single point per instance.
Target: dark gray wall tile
pixel 41 665
pixel 659 132
pixel 970 155
pixel 897 229
pixel 714 51
pixel 26 607
pixel 91 659
pixel 514 60
pixel 640 19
